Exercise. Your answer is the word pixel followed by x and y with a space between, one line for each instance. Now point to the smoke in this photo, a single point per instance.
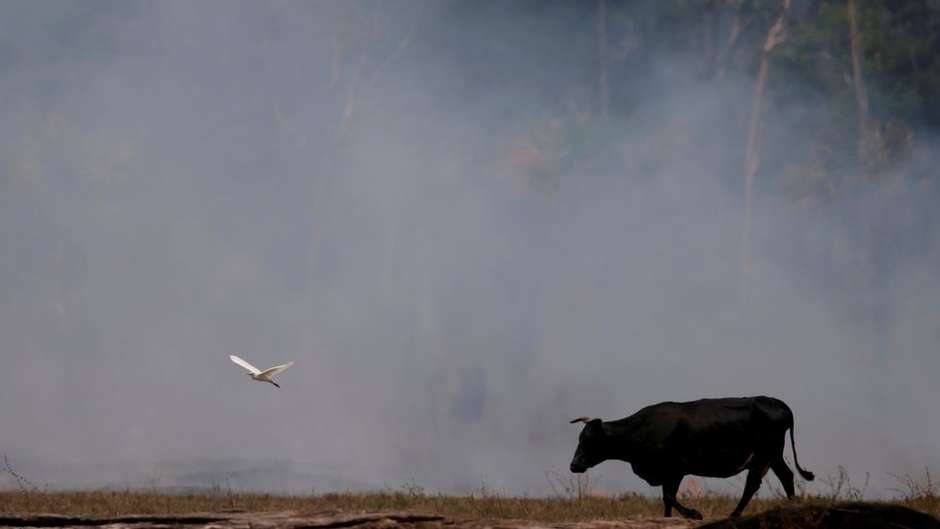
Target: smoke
pixel 335 183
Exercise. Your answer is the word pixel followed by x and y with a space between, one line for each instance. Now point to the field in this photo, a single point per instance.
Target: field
pixel 483 506
pixel 572 507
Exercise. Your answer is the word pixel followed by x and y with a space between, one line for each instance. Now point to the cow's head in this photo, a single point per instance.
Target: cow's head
pixel 591 445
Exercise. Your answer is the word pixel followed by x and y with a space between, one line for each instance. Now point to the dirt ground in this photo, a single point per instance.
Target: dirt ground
pixel 852 515
pixel 322 520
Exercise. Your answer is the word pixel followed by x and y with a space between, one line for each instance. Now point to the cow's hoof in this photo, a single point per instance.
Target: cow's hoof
pixel 694 515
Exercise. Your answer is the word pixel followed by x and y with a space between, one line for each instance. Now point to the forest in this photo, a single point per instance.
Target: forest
pixel 826 106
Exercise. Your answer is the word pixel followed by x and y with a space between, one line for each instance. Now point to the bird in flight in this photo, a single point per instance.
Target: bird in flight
pixel 257 374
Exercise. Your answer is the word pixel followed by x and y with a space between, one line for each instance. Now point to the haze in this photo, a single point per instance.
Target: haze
pixel 298 181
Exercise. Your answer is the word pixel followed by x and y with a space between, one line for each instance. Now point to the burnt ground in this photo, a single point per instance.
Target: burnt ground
pixel 839 516
pixel 321 520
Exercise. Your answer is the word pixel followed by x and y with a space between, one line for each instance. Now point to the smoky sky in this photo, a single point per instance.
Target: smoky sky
pixel 331 183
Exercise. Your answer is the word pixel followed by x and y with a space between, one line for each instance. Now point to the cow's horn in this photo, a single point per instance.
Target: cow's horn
pixel 581 419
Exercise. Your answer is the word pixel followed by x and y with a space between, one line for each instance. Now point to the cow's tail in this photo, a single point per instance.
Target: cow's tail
pixel 807 475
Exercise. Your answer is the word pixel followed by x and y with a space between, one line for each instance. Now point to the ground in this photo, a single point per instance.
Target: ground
pixel 390 510
pixel 323 520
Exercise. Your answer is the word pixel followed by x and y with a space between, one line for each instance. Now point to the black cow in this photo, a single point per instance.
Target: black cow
pixel 710 437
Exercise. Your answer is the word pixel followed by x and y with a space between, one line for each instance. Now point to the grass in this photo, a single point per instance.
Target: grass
pixel 116 503
pixel 571 503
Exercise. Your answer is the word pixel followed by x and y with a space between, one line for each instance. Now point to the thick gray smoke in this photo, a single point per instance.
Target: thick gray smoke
pixel 335 185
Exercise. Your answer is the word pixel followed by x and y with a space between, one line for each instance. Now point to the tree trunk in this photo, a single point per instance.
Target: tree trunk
pixel 602 83
pixel 872 151
pixel 775 36
pixel 709 23
pixel 726 53
pixel 861 95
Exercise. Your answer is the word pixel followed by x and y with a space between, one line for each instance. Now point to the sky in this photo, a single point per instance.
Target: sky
pixel 311 182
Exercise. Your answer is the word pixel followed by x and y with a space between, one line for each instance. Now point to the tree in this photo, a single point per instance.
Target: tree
pixel 858 83
pixel 775 35
pixel 602 83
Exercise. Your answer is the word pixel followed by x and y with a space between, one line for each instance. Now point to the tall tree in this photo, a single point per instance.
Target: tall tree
pixel 775 35
pixel 602 82
pixel 861 94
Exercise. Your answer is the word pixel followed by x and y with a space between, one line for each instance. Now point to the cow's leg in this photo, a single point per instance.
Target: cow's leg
pixel 783 472
pixel 670 490
pixel 754 476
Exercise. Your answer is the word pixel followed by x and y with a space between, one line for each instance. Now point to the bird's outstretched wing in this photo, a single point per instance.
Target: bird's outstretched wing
pixel 251 369
pixel 271 371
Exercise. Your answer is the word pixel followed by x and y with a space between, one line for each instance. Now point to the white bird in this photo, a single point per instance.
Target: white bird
pixel 257 374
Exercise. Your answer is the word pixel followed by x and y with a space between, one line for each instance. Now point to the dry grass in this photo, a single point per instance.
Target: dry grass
pixel 113 503
pixel 919 493
pixel 572 501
